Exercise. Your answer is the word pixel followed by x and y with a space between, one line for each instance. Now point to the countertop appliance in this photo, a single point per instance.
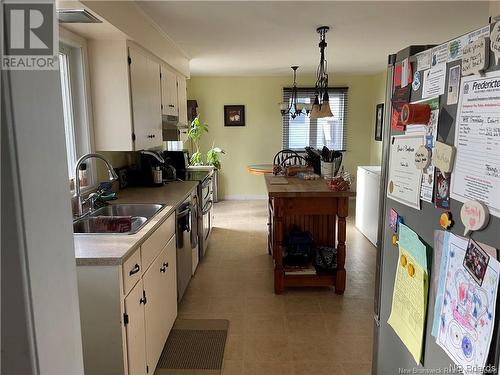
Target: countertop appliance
pixel 390 355
pixel 367 192
pixel 186 216
pixel 179 160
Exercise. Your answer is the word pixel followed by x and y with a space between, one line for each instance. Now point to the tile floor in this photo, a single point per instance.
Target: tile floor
pixel 303 331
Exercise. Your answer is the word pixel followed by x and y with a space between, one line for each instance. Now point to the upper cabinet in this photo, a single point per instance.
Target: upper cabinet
pixel 131 90
pixel 169 92
pixel 182 98
pixel 173 94
pixel 145 92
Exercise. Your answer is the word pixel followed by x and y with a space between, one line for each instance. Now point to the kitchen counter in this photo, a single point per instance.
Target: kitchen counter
pixel 113 249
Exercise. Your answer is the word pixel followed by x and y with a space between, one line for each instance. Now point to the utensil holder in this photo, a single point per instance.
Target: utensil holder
pixel 326 169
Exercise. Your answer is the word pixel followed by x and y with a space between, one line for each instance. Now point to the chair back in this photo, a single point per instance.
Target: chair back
pixel 288 157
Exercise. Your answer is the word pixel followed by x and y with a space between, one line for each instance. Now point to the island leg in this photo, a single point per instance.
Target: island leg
pixel 279 275
pixel 343 208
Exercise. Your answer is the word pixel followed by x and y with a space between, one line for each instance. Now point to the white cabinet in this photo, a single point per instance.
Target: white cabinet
pixel 128 310
pixel 182 99
pixel 126 96
pixel 169 92
pixel 160 313
pixel 145 92
pixel 135 330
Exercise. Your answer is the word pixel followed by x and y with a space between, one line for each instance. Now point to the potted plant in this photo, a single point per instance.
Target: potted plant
pixel 196 130
pixel 213 157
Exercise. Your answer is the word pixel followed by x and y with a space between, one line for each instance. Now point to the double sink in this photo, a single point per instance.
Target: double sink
pixel 141 214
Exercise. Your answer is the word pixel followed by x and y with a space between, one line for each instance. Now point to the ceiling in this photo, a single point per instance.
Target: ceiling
pixel 266 38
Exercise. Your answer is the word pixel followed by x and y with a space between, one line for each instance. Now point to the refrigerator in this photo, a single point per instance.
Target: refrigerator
pixel 390 355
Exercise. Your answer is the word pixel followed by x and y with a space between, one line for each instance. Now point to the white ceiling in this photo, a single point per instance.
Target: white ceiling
pixel 266 38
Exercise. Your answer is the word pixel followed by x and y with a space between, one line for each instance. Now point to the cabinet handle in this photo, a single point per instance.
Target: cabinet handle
pixel 143 299
pixel 134 270
pixel 171 106
pixel 164 267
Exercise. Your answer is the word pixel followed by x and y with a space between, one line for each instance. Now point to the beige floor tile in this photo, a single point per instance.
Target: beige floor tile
pixel 265 324
pixel 270 304
pixel 352 349
pixel 232 367
pixel 349 324
pixel 316 368
pixel 266 348
pixel 299 304
pixel 234 348
pixel 305 324
pixel 267 368
pixel 310 349
pixel 356 368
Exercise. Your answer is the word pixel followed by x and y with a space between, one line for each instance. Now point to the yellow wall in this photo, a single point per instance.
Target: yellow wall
pixel 261 138
pixel 378 96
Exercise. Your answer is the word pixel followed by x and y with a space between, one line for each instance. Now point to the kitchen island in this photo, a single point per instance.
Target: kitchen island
pixel 307 206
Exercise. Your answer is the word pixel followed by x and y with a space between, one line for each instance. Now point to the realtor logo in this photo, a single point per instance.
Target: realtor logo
pixel 30 36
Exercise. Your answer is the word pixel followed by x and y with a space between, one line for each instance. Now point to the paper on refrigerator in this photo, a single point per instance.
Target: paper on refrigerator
pixel 404 180
pixel 466 316
pixel 476 174
pixel 409 299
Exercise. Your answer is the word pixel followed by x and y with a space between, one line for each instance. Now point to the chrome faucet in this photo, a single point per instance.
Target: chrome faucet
pixel 112 177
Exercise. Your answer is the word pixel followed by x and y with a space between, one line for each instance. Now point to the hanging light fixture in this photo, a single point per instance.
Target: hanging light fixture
pixel 294 108
pixel 321 106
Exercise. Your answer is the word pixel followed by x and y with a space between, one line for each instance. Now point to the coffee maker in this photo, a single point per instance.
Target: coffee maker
pixel 153 168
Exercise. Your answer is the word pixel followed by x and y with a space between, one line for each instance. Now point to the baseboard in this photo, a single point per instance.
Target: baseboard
pixel 244 197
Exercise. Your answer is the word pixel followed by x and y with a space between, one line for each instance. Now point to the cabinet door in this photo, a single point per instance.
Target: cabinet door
pixel 182 99
pixel 169 92
pixel 171 282
pixel 135 331
pixel 145 93
pixel 158 307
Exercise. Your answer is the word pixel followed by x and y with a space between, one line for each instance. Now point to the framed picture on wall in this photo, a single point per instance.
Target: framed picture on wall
pixel 234 115
pixel 379 121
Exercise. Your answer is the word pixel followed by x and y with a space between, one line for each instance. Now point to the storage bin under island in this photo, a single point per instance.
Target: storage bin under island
pixel 307 205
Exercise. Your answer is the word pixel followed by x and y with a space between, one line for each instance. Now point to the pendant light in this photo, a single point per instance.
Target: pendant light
pixel 294 108
pixel 321 108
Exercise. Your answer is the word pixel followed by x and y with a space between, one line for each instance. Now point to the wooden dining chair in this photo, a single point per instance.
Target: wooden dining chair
pixel 288 157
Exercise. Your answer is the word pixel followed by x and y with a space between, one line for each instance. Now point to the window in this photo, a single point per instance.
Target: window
pixel 75 111
pixel 302 131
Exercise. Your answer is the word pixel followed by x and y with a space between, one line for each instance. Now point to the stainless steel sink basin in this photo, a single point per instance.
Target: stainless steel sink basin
pixel 140 213
pixel 144 210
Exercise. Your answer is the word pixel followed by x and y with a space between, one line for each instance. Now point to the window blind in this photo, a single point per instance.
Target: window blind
pixel 303 131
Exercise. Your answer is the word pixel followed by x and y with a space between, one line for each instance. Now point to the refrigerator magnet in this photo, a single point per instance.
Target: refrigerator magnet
pixel 474 216
pixel 442 191
pixel 476 261
pixel 422 157
pixel 395 239
pixel 445 220
pixel 443 156
pixel 495 41
pixel 476 57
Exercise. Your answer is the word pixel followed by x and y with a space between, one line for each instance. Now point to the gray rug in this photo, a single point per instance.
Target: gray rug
pixel 194 346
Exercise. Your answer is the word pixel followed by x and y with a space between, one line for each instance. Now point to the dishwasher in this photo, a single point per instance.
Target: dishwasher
pixel 186 240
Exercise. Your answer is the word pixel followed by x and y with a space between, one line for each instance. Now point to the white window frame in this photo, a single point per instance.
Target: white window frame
pixel 82 111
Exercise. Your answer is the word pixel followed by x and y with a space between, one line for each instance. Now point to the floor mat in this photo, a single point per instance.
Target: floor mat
pixel 194 346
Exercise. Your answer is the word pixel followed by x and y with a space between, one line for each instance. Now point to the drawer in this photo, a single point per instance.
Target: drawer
pixel 157 241
pixel 132 271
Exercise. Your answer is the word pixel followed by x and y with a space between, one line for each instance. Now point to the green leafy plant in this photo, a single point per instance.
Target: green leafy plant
pixel 195 131
pixel 213 156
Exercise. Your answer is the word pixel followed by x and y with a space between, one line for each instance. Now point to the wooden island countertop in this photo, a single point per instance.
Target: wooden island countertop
pixel 296 187
pixel 306 205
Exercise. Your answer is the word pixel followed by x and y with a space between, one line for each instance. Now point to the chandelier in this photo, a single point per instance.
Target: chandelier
pixel 294 108
pixel 321 105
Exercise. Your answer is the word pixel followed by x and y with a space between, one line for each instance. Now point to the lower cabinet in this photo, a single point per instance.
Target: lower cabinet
pixel 125 318
pixel 159 311
pixel 134 327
